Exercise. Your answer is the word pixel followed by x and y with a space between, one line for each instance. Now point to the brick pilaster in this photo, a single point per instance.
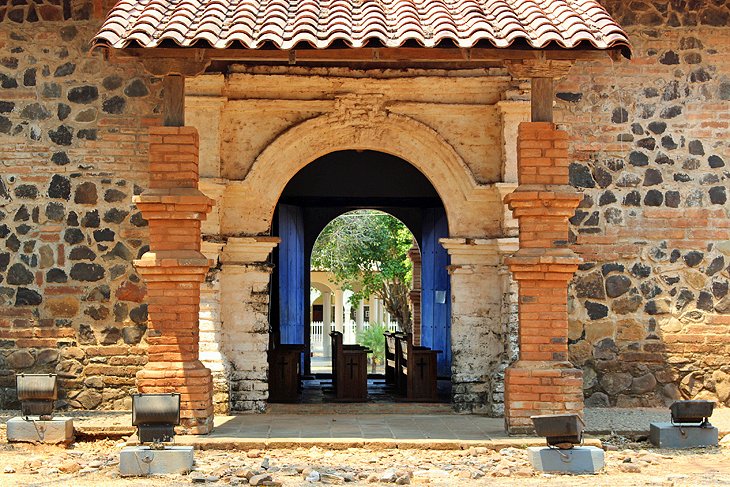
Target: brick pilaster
pixel 542 381
pixel 173 269
pixel 414 254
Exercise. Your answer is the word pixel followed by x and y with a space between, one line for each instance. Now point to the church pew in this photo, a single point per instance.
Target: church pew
pixel 284 373
pixel 417 371
pixel 392 356
pixel 349 370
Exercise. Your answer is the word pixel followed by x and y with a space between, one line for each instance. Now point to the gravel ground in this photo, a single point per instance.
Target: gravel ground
pixel 627 464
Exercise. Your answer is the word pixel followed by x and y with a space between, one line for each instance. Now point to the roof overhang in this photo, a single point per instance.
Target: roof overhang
pixel 445 33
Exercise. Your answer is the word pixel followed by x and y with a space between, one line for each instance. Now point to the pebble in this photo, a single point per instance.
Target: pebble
pixel 629 468
pixel 8 469
pixel 69 467
pixel 259 479
pixel 312 476
pixel 388 476
pixel 330 478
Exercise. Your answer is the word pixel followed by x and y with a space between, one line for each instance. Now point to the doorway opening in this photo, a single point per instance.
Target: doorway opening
pixel 364 183
pixel 362 284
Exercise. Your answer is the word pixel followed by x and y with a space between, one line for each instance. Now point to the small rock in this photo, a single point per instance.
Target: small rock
pixel 259 479
pixel 244 473
pixel 8 469
pixel 629 468
pixel 265 463
pixel 330 478
pixel 197 477
pixel 403 480
pixel 388 476
pixel 253 454
pixel 312 476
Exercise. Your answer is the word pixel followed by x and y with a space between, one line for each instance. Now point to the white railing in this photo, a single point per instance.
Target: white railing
pixel 349 337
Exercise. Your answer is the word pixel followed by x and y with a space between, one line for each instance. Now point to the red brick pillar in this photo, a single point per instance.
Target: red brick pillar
pixel 414 254
pixel 542 381
pixel 173 270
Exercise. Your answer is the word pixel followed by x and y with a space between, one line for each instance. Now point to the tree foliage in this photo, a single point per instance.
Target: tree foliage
pixel 367 252
pixel 372 338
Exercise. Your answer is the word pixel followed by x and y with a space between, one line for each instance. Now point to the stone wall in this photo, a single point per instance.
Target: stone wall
pixel 73 145
pixel 649 315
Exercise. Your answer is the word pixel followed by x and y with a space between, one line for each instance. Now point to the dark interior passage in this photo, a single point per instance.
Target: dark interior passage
pixel 338 183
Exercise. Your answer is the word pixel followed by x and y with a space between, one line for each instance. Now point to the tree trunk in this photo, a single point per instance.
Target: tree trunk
pixel 395 298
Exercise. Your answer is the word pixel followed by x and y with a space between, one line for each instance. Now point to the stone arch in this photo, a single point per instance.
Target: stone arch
pixel 248 205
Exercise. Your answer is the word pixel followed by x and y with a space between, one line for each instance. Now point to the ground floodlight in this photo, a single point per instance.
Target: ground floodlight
pixel 36 393
pixel 155 416
pixel 688 413
pixel 563 431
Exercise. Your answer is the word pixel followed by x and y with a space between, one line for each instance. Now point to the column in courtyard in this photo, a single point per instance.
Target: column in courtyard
pixel 339 311
pixel 174 267
pixel 360 316
pixel 542 381
pixel 326 323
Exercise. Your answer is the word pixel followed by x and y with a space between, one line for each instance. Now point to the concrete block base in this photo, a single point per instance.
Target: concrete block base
pixel 33 430
pixel 666 435
pixel 581 459
pixel 140 461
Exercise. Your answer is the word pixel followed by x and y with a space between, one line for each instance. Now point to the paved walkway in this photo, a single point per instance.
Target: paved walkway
pixel 353 425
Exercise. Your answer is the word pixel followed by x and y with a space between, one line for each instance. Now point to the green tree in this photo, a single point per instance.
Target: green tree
pixel 367 252
pixel 372 338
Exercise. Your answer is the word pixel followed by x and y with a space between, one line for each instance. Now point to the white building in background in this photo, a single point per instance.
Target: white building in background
pixel 330 308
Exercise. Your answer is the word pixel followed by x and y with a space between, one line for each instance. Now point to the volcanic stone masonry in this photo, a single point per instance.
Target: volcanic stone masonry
pixel 649 311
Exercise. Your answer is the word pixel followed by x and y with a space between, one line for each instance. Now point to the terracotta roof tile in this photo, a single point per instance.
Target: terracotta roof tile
pixel 285 24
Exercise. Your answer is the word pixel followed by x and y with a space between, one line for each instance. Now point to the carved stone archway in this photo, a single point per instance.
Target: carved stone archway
pixel 377 130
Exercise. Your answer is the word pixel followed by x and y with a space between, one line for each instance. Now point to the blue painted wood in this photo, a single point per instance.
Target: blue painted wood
pixel 291 275
pixel 436 289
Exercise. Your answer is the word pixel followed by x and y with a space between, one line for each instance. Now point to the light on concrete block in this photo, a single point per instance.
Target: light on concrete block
pixel 155 416
pixel 583 459
pixel 561 430
pixel 37 393
pixel 50 431
pixel 690 426
pixel 691 412
pixel 140 461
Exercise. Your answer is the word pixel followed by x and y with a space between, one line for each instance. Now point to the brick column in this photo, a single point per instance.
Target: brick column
pixel 414 254
pixel 542 381
pixel 173 270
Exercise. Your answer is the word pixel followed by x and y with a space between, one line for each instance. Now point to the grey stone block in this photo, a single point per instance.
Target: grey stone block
pixel 666 435
pixel 581 459
pixel 140 461
pixel 33 430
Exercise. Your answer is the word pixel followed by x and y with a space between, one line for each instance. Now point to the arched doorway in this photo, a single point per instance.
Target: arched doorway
pixel 340 182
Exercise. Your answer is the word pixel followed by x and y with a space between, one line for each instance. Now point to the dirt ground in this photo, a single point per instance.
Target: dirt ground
pixel 95 463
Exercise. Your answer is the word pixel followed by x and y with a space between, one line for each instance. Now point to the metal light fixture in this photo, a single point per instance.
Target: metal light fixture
pixel 37 393
pixel 563 431
pixel 155 416
pixel 691 413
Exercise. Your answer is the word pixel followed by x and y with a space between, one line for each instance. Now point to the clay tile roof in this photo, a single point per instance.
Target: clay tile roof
pixel 287 24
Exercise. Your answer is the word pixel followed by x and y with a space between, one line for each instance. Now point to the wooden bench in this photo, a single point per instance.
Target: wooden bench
pixel 349 370
pixel 392 355
pixel 417 371
pixel 284 373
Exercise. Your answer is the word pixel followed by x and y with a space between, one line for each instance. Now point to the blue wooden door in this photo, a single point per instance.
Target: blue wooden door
pixel 291 275
pixel 436 289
